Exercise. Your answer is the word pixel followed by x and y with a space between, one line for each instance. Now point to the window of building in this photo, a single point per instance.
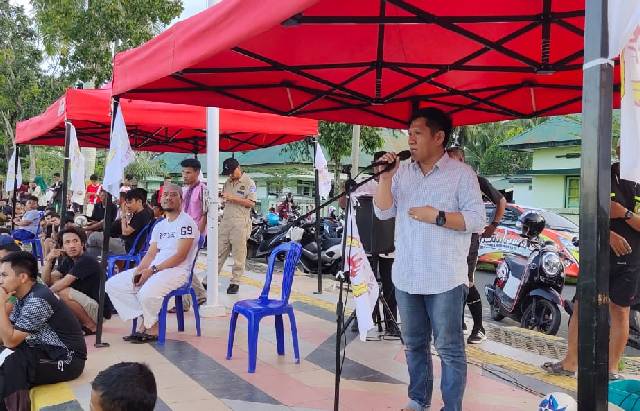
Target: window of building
pixel 305 188
pixel 572 196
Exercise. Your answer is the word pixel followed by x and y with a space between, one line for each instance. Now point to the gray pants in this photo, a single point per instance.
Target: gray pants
pixel 94 245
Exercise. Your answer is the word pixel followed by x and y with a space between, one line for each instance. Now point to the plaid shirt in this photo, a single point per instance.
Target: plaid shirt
pixel 432 259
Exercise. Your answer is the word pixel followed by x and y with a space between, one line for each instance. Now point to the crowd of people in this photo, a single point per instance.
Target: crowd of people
pixel 427 279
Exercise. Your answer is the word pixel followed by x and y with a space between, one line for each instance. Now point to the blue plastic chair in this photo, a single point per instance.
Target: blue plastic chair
pixel 134 255
pixel 178 293
pixel 255 310
pixel 36 243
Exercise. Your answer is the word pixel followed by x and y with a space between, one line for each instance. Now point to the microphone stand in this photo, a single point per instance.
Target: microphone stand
pixel 341 325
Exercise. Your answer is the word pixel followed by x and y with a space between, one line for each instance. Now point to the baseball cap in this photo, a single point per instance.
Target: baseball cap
pixel 229 165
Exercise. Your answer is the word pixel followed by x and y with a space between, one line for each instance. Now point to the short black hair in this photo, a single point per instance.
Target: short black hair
pixel 191 163
pixel 128 176
pixel 11 247
pixel 56 174
pixel 31 198
pixel 136 194
pixel 22 262
pixel 75 230
pixel 126 386
pixel 93 177
pixel 436 120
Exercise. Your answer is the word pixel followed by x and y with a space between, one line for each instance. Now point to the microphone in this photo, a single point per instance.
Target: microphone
pixel 403 155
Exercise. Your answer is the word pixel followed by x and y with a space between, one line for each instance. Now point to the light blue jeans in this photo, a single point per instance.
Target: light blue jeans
pixel 440 314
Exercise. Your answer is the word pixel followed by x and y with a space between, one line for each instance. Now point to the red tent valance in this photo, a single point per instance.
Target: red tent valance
pixel 158 126
pixel 368 62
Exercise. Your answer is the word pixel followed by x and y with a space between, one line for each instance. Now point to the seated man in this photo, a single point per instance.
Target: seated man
pixel 28 223
pixel 138 215
pixel 165 267
pixel 46 338
pixel 124 386
pixel 49 231
pixel 76 278
pixel 94 229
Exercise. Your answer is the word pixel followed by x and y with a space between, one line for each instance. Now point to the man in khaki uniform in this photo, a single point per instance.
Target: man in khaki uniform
pixel 239 195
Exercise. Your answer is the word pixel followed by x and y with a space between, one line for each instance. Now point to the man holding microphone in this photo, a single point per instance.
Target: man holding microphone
pixel 437 205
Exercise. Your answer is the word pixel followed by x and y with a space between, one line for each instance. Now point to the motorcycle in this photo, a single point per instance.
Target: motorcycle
pixel 529 289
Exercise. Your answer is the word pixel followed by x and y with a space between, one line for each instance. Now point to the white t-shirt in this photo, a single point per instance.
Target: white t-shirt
pixel 166 235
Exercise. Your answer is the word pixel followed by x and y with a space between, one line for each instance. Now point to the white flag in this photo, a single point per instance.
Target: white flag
pixel 324 176
pixel 363 281
pixel 630 110
pixel 76 160
pixel 11 176
pixel 623 18
pixel 120 156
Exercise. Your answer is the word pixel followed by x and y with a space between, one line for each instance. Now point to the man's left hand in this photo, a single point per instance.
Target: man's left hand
pixel 227 196
pixel 488 231
pixel 426 214
pixel 617 210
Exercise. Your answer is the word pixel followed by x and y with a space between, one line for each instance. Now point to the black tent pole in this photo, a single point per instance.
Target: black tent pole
pixel 318 223
pixel 106 231
pixel 14 195
pixel 65 175
pixel 595 180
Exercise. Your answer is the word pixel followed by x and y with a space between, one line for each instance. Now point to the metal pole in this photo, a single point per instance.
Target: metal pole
pixel 593 285
pixel 355 149
pixel 318 224
pixel 14 195
pixel 213 307
pixel 65 174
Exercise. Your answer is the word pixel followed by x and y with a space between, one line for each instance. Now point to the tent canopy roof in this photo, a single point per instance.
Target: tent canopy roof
pixel 368 62
pixel 156 126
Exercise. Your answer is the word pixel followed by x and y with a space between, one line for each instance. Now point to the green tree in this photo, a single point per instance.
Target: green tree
pixel 146 164
pixel 335 139
pixel 80 34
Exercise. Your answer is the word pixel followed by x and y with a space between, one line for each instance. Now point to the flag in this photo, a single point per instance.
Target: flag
pixel 11 177
pixel 119 157
pixel 623 19
pixel 324 176
pixel 363 281
pixel 76 160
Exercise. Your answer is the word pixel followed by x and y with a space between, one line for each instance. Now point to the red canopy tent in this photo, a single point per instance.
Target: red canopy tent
pixel 368 62
pixel 158 127
pixel 373 62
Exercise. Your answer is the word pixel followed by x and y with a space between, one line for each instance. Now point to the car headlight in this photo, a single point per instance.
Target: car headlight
pixel 551 264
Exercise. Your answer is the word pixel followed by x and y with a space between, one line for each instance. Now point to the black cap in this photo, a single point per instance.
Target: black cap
pixel 229 165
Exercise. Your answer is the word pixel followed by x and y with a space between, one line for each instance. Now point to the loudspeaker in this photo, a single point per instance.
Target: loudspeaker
pixel 376 235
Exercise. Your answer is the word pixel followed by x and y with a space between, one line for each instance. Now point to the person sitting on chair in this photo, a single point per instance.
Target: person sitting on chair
pixel 28 223
pixel 46 339
pixel 75 278
pixel 166 266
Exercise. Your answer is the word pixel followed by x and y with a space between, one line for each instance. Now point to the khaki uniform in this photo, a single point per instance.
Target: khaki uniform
pixel 235 226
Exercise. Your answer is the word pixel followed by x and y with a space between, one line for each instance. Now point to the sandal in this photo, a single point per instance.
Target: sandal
pixel 555 368
pixel 135 336
pixel 614 376
pixel 87 332
pixel 144 338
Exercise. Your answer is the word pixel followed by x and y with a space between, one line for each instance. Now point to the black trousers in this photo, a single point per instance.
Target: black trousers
pixel 28 367
pixel 382 269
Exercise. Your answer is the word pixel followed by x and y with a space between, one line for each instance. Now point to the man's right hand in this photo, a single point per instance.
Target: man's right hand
pixel 390 158
pixel 619 245
pixel 53 254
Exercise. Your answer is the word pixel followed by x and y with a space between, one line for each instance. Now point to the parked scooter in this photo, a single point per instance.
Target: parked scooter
pixel 529 289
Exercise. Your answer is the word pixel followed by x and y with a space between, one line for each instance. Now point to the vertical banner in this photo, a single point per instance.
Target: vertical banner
pixel 119 157
pixel 363 281
pixel 76 158
pixel 324 176
pixel 11 177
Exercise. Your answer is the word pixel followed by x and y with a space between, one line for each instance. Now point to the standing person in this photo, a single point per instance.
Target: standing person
pixel 437 205
pixel 46 339
pixel 75 278
pixel 28 223
pixel 166 266
pixel 239 196
pixel 474 302
pixel 38 188
pixel 56 193
pixel 93 193
pixel 624 263
pixel 192 204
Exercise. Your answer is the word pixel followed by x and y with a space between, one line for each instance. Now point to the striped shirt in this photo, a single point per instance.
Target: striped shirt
pixel 432 259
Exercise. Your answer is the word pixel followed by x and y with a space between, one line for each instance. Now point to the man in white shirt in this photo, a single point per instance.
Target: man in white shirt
pixel 165 267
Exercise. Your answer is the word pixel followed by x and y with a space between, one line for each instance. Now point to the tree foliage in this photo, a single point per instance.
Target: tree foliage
pixel 80 34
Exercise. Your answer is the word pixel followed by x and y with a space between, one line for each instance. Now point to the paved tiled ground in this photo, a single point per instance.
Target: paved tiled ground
pixel 193 373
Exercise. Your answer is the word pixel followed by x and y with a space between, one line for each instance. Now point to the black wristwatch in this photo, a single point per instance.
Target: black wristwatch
pixel 154 269
pixel 628 215
pixel 441 219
